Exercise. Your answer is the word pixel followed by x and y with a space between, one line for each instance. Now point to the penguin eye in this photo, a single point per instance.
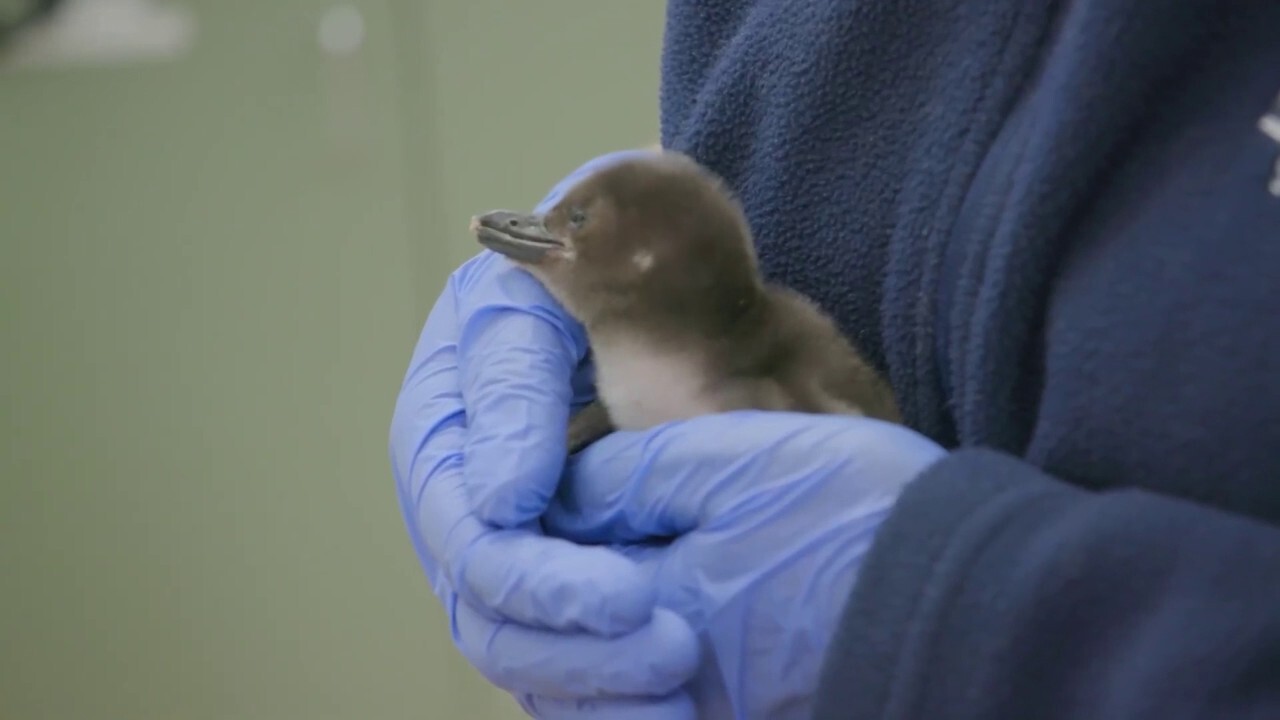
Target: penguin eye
pixel 577 217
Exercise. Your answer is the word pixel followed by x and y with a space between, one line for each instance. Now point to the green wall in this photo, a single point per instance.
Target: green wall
pixel 212 272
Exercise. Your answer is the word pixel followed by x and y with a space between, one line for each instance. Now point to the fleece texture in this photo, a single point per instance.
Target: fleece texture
pixel 1050 224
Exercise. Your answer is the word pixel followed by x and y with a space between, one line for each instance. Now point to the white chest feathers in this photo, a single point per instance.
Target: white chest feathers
pixel 643 387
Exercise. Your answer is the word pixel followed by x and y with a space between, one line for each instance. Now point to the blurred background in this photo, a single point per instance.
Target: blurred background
pixel 222 224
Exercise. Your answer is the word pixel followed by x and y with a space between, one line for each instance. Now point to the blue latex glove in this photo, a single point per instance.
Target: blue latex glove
pixel 477 447
pixel 771 514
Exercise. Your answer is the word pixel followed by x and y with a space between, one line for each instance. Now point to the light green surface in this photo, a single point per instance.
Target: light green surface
pixel 211 274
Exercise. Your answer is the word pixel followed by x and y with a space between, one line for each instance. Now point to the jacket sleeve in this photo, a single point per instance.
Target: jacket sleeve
pixel 996 592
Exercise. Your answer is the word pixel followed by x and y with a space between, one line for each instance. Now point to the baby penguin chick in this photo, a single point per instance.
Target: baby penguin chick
pixel 655 258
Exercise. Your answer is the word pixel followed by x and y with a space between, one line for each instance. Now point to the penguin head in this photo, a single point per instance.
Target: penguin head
pixel 656 237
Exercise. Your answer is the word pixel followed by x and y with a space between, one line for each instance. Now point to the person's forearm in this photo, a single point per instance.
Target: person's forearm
pixel 995 591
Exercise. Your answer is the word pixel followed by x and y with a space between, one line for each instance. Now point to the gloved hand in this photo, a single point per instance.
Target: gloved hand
pixel 771 515
pixel 477 447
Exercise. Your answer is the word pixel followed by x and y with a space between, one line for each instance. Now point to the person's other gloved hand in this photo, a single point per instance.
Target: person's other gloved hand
pixel 477 447
pixel 771 515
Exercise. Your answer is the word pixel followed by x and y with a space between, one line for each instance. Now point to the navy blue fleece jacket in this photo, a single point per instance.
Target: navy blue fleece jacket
pixel 1050 223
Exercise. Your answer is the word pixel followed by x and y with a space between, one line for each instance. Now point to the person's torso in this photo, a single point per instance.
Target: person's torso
pixel 1049 223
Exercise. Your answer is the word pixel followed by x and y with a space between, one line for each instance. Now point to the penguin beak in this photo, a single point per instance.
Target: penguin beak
pixel 519 236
